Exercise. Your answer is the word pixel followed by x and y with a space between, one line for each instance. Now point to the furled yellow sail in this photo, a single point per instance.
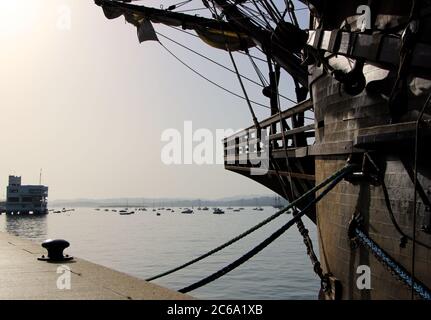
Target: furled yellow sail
pixel 221 39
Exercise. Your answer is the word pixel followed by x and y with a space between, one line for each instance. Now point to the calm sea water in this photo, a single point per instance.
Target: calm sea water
pixel 145 244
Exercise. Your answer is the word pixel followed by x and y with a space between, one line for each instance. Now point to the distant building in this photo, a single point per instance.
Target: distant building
pixel 25 198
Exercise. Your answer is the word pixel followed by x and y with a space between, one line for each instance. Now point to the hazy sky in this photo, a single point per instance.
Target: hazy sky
pixel 88 104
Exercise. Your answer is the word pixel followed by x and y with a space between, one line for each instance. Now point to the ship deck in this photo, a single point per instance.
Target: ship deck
pixel 23 277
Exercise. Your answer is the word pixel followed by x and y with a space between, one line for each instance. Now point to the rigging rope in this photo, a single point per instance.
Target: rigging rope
pixel 244 91
pixel 244 53
pixel 177 5
pixel 264 16
pixel 295 9
pixel 259 73
pixel 209 59
pixel 250 107
pixel 189 10
pixel 207 79
pixel 276 16
pixel 268 240
pixel 257 17
pixel 342 172
pixel 291 9
pixel 253 11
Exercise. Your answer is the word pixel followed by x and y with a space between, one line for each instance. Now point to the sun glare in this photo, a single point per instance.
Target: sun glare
pixel 17 16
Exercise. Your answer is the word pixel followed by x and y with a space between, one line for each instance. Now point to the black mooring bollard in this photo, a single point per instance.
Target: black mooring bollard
pixel 55 250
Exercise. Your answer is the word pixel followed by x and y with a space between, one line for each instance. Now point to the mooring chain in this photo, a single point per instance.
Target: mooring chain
pixel 359 237
pixel 317 267
pixel 310 249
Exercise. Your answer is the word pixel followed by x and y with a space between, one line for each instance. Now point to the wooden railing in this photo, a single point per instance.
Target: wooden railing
pixel 247 146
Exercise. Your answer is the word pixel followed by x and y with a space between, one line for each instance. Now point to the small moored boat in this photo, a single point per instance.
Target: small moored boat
pixel 125 212
pixel 218 211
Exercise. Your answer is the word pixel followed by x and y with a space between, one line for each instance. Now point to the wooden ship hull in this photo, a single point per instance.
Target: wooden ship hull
pixel 334 212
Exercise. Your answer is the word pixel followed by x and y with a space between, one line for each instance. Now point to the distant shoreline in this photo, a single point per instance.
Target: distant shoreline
pixel 258 201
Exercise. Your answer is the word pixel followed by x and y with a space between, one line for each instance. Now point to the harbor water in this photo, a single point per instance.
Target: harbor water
pixel 145 244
